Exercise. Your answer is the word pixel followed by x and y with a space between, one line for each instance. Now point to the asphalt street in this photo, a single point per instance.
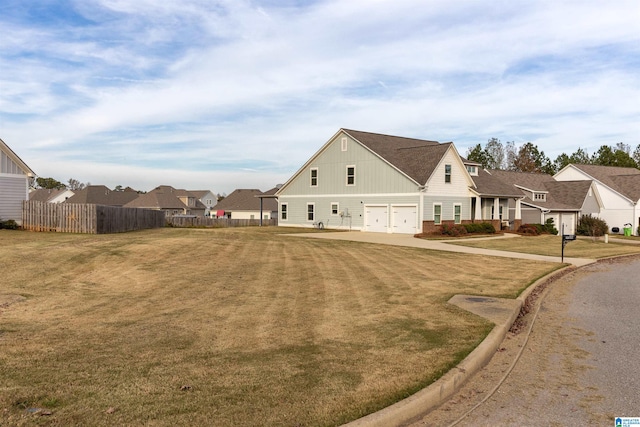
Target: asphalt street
pixel 580 365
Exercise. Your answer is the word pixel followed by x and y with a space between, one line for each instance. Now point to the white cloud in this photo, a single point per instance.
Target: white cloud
pixel 250 83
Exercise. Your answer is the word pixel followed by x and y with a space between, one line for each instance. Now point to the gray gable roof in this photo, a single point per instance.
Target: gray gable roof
pixel 247 200
pixel 529 180
pixel 560 195
pixel 417 158
pixel 625 181
pixel 489 185
pixel 157 200
pixel 44 194
pixel 102 195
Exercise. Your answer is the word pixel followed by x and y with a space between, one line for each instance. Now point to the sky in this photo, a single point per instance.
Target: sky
pixel 218 95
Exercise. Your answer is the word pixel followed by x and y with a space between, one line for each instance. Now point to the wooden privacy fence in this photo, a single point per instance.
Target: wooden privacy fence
pixel 85 218
pixel 177 221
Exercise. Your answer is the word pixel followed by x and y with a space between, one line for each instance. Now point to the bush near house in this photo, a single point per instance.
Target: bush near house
pixel 480 227
pixel 8 224
pixel 456 230
pixel 453 230
pixel 591 226
pixel 537 229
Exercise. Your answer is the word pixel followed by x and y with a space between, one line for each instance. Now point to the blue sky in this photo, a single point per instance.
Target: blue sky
pixel 206 94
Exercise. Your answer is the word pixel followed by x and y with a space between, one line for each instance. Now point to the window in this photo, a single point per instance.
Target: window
pixel 344 144
pixel 447 173
pixel 457 210
pixel 473 170
pixel 310 212
pixel 314 177
pixel 334 209
pixel 283 212
pixel 351 175
pixel 540 196
pixel 437 214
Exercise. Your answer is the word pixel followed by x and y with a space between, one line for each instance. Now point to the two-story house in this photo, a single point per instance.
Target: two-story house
pixel 380 183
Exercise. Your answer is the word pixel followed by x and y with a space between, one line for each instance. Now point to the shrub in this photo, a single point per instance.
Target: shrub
pixel 531 229
pixel 591 226
pixel 480 227
pixel 9 224
pixel 549 227
pixel 453 230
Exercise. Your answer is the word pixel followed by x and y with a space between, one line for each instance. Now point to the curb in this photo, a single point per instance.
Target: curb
pixel 429 398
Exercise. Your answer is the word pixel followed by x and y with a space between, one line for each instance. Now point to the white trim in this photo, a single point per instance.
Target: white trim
pixel 311 184
pixel 285 205
pixel 365 216
pixel 346 170
pixel 404 205
pixel 343 144
pixel 433 211
pixel 306 213
pixel 350 196
pixel 448 174
pixel 337 208
pixel 454 213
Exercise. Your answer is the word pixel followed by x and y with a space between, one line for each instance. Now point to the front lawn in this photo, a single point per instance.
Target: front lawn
pixel 229 327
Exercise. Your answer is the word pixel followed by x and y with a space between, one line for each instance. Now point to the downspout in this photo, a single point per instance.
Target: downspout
pixel 421 190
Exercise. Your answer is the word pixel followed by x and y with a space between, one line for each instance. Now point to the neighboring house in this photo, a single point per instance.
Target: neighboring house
pixel 160 201
pixel 15 177
pixel 207 198
pixel 379 183
pixel 191 201
pixel 542 197
pixel 618 189
pixel 245 204
pixel 102 195
pixel 50 195
pixel 499 202
pixel 170 200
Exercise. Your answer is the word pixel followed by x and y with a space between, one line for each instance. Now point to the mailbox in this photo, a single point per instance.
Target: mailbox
pixel 569 237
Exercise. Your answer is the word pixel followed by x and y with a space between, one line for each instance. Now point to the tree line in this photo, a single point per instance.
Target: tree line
pixel 529 158
pixel 54 184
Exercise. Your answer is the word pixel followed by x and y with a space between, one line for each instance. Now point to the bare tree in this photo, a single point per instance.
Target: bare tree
pixel 74 184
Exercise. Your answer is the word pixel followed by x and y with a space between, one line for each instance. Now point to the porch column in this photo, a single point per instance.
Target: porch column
pixel 496 208
pixel 478 213
pixel 518 209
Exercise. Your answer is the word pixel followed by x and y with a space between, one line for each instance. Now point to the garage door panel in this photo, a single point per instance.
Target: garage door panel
pixel 376 218
pixel 404 219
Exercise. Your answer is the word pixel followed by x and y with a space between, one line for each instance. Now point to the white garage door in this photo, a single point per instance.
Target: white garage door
pixel 376 218
pixel 404 219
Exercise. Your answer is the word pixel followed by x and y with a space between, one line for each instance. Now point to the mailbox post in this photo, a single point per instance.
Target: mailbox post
pixel 566 238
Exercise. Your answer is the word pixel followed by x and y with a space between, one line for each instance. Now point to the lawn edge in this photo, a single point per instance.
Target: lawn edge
pixel 417 405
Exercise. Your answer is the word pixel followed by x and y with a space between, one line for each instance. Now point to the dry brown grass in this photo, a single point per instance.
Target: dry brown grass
pixel 229 327
pixel 552 246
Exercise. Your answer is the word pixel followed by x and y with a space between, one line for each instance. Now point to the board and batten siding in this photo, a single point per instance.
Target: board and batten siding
pixel 351 206
pixel 14 189
pixel 372 174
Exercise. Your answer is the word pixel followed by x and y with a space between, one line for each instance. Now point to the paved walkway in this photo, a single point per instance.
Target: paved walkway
pixel 439 245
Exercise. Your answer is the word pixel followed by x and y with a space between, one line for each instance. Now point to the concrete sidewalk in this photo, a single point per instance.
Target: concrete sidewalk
pixel 439 245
